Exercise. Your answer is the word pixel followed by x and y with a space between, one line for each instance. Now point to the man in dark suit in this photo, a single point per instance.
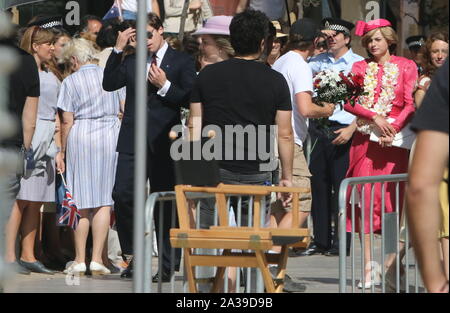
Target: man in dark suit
pixel 171 76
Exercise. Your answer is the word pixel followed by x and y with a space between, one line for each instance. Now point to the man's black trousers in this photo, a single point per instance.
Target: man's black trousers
pixel 328 165
pixel 161 175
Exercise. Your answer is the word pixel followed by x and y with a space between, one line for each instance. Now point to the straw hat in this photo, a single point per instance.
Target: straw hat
pixel 277 26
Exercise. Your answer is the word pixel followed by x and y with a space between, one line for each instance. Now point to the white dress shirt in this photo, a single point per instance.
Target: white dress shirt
pixel 159 57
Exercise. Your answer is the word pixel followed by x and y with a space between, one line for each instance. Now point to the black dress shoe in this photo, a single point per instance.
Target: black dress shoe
pixel 313 249
pixel 128 272
pixel 332 252
pixel 165 277
pixel 295 252
pixel 335 252
pixel 289 284
pixel 36 267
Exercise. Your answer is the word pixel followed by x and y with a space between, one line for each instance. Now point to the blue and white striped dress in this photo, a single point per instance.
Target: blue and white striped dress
pixel 91 157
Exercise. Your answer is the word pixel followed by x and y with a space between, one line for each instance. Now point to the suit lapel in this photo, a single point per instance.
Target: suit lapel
pixel 165 64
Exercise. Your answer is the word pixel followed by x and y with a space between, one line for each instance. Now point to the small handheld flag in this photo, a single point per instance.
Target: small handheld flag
pixel 69 214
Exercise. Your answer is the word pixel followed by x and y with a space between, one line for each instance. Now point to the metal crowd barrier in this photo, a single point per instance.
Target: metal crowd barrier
pixel 253 278
pixel 391 235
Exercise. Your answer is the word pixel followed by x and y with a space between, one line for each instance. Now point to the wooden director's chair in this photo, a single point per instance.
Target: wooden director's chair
pixel 256 238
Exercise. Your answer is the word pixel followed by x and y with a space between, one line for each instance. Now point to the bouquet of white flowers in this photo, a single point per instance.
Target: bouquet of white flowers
pixel 337 88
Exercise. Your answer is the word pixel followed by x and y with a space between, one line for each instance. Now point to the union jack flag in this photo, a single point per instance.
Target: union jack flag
pixel 70 216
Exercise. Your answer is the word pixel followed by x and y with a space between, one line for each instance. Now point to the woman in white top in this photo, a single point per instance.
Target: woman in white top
pixel 129 8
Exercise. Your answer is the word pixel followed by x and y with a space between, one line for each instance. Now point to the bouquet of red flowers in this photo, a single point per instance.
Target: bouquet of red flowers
pixel 336 87
pixel 355 86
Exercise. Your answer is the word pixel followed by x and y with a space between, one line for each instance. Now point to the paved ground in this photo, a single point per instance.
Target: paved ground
pixel 319 273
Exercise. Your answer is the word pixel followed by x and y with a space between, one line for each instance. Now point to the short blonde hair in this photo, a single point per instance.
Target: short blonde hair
pixel 79 48
pixel 388 33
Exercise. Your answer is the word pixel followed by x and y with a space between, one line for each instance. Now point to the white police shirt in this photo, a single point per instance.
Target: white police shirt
pixel 326 61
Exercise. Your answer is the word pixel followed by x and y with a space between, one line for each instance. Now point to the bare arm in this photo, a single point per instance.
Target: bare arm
pixel 242 6
pixel 59 159
pixel 285 152
pixel 311 110
pixel 345 134
pixel 155 8
pixel 29 116
pixel 67 123
pixel 424 206
pixel 285 143
pixel 57 136
pixel 195 121
pixel 418 97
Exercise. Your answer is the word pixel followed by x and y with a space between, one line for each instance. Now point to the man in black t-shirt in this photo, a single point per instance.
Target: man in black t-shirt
pixel 429 163
pixel 23 104
pixel 243 101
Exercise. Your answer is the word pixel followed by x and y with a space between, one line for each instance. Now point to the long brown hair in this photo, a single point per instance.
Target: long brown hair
pixel 429 67
pixel 35 35
pixel 61 70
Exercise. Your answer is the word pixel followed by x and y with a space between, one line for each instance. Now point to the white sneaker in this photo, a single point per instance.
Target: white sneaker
pixel 75 268
pixel 369 284
pixel 98 269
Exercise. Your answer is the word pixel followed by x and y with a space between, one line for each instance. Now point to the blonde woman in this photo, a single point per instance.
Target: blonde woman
pixel 214 40
pixel 38 183
pixel 387 108
pixel 90 128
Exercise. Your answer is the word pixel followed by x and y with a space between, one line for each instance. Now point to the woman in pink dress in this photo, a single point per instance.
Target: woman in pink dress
pixel 386 108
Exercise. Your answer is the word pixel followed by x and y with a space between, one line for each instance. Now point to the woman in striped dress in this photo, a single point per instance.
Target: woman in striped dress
pixel 38 182
pixel 90 128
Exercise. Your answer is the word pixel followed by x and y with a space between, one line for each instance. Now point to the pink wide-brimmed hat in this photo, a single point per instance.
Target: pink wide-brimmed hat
pixel 216 25
pixel 363 28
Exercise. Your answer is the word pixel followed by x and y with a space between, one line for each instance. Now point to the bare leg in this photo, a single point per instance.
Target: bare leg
pixel 367 258
pixel 232 279
pixel 30 224
pixel 444 246
pixel 391 260
pixel 12 228
pixel 105 258
pixel 372 270
pixel 286 222
pixel 81 234
pixel 100 226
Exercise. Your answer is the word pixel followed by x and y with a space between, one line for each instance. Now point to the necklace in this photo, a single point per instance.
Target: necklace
pixel 384 104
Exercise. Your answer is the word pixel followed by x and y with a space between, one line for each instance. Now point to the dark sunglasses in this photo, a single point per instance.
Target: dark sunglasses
pixel 150 34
